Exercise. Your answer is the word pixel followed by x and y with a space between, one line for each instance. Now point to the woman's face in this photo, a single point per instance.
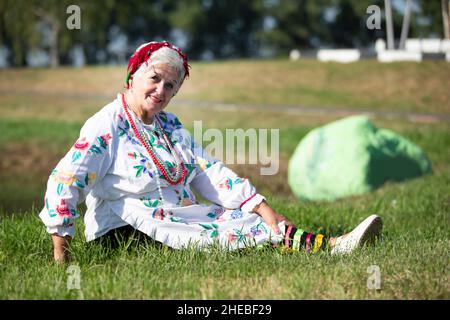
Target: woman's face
pixel 152 90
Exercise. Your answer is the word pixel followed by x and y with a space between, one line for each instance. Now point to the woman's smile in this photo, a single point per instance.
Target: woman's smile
pixel 155 99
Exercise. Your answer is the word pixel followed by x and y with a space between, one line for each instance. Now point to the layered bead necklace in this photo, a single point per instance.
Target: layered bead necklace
pixel 142 135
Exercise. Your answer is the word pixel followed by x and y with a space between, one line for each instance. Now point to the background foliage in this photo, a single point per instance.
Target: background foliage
pixel 206 29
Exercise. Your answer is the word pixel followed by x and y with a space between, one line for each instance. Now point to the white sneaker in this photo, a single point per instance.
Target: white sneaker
pixel 366 231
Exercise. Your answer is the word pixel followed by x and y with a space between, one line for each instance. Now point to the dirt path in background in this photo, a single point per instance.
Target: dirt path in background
pixel 417 117
pixel 299 110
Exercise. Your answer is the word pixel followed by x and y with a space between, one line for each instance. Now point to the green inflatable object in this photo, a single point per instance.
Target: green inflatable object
pixel 350 157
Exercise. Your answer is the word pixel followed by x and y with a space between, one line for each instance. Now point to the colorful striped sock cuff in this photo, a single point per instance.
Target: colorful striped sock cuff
pixel 298 239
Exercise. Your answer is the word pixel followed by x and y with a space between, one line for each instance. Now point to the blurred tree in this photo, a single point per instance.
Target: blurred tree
pixel 13 32
pixel 297 23
pixel 50 14
pixel 306 24
pixel 96 18
pixel 143 20
pixel 347 26
pixel 34 24
pixel 428 21
pixel 111 29
pixel 218 28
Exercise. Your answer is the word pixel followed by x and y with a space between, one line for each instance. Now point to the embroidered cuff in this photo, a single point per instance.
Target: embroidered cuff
pixel 62 231
pixel 250 203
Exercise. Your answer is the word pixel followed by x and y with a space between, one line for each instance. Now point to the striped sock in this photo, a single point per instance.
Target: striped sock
pixel 300 240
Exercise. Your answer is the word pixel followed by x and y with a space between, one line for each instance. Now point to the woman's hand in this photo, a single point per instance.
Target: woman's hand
pixel 271 217
pixel 60 248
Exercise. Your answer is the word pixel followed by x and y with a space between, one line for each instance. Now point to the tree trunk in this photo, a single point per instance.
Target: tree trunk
pixel 53 22
pixel 54 50
pixel 445 17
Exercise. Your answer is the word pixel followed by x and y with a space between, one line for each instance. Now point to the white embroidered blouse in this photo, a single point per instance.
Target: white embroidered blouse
pixel 110 169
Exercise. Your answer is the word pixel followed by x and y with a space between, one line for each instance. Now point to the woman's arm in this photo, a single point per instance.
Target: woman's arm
pixel 270 216
pixel 72 179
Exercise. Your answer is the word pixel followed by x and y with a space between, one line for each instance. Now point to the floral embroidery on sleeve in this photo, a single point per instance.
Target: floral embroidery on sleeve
pixel 102 144
pixel 228 183
pixel 237 214
pixel 203 163
pixel 63 178
pixel 81 145
pixel 63 211
pixel 216 213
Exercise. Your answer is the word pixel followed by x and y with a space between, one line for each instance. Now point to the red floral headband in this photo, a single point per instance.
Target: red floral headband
pixel 143 53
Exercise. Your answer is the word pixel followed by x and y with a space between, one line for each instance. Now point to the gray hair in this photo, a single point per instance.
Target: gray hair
pixel 166 56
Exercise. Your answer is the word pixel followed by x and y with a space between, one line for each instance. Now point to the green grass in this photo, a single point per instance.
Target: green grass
pixel 413 257
pixel 39 124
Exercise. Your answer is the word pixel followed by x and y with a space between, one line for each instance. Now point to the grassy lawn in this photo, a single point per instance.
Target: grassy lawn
pixel 41 112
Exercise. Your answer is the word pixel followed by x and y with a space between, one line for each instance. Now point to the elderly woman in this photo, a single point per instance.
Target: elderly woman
pixel 135 167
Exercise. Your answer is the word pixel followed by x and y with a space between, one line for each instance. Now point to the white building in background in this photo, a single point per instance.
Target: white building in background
pixel 398 55
pixel 445 45
pixel 339 55
pixel 435 46
pixel 424 45
pixel 414 50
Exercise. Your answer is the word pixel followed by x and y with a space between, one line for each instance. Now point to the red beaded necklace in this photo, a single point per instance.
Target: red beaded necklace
pixel 148 147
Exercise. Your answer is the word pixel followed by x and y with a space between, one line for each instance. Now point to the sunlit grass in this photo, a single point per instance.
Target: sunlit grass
pixel 137 272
